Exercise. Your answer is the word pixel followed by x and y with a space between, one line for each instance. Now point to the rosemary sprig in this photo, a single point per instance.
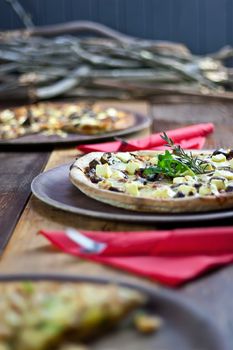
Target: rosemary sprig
pixel 186 158
pixel 168 166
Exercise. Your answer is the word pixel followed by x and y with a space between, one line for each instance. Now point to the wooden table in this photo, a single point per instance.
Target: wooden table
pixel 27 252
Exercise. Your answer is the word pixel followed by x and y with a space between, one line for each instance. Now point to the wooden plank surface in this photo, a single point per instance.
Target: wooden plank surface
pixel 214 291
pixel 167 116
pixel 17 171
pixel 33 253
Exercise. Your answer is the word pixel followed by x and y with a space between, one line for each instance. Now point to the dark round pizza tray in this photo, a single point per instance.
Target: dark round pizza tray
pixel 185 326
pixel 140 122
pixel 54 188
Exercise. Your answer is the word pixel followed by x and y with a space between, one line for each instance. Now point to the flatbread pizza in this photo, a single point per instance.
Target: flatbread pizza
pixel 61 119
pixel 46 315
pixel 171 181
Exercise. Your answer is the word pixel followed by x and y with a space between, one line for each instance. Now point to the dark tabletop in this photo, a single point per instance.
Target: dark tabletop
pixel 213 292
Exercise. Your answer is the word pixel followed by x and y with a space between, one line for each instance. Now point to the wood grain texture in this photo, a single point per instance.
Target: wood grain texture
pixel 214 291
pixel 34 254
pixel 28 252
pixel 168 116
pixel 25 240
pixel 17 171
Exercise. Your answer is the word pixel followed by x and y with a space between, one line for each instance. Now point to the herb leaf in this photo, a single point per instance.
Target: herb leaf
pixel 177 163
pixel 168 166
pixel 186 158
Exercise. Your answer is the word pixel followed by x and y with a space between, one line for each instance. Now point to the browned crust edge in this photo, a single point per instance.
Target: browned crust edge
pixel 142 204
pixel 126 122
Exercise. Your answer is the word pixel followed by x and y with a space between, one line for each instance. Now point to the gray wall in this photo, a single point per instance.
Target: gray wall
pixel 203 25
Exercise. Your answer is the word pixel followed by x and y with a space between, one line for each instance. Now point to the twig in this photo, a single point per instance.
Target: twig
pixel 19 10
pixel 67 65
pixel 60 87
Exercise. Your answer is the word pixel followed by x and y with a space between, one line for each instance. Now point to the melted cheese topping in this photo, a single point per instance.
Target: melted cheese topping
pixel 123 172
pixel 60 119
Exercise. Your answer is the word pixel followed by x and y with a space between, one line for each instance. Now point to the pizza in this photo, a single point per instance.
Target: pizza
pixel 60 316
pixel 61 119
pixel 173 181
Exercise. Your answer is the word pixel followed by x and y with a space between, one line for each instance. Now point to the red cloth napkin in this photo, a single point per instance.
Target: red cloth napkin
pixel 189 137
pixel 171 257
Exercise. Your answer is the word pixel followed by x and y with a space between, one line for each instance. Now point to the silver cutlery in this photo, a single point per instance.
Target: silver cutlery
pixel 87 244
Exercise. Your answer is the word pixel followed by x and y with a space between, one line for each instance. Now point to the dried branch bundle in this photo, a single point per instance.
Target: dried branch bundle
pixel 121 67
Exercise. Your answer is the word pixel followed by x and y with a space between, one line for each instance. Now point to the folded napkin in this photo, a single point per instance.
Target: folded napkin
pixel 171 257
pixel 190 137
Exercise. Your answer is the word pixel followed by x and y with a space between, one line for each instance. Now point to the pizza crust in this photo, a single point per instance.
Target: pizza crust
pixel 143 204
pixel 51 118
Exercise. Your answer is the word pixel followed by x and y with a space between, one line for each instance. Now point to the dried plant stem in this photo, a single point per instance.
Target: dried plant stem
pixel 121 66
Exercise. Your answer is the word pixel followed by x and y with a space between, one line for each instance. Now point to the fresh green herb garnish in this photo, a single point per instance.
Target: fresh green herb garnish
pixel 168 166
pixel 186 158
pixel 174 164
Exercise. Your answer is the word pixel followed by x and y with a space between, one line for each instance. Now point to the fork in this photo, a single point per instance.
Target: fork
pixel 87 244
